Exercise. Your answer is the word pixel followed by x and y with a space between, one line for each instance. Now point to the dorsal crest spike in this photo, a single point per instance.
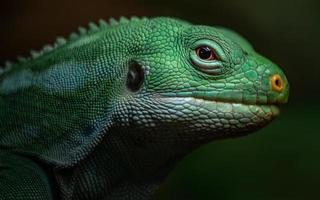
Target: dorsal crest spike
pixel 123 20
pixel 8 64
pixel 21 59
pixel 73 36
pixel 47 48
pixel 103 23
pixel 135 19
pixel 35 54
pixel 60 41
pixel 82 30
pixel 113 21
pixel 92 28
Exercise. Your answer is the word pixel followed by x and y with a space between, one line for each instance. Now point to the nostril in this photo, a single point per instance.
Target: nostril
pixel 276 83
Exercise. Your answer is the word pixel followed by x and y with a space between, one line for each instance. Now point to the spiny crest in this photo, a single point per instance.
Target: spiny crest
pixel 60 41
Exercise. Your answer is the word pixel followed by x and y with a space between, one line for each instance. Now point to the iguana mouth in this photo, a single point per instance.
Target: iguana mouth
pixel 267 108
pixel 227 97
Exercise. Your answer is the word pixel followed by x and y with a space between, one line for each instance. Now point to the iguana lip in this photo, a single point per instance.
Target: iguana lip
pixel 265 112
pixel 227 97
pixel 272 107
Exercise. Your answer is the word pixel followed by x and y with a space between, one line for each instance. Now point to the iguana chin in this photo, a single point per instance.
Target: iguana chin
pixel 107 113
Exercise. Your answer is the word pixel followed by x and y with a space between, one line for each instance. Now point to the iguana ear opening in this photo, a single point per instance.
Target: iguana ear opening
pixel 135 77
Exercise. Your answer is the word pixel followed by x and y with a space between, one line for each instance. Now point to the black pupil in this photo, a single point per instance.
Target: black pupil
pixel 205 53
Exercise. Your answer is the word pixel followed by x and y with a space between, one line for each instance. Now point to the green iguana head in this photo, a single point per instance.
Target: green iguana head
pixel 160 83
pixel 190 84
pixel 119 103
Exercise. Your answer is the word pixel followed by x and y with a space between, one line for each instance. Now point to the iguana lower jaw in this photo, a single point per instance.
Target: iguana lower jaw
pixel 189 121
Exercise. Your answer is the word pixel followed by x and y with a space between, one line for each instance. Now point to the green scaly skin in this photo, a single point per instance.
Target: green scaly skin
pixel 108 112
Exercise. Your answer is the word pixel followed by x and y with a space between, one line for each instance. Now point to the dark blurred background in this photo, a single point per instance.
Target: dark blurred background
pixel 279 162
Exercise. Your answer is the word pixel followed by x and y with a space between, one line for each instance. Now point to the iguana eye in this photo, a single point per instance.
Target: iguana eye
pixel 206 53
pixel 208 56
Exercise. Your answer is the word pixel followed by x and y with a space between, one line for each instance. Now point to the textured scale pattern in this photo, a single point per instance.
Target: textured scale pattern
pixel 106 113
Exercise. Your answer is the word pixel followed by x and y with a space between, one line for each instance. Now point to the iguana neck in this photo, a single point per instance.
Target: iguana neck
pixel 119 165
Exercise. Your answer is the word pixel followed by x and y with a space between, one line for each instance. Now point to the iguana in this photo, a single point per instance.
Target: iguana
pixel 106 113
